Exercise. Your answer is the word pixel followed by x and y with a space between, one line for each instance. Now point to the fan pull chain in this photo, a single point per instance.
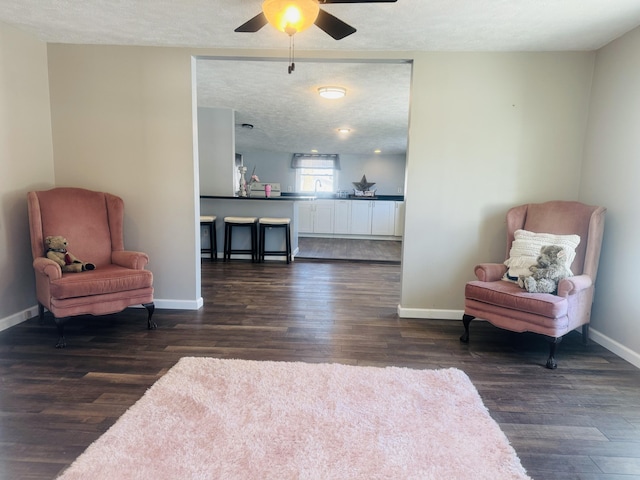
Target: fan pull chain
pixel 292 65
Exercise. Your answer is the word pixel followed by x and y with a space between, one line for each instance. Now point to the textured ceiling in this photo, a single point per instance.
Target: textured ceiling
pixel 436 25
pixel 283 108
pixel 288 115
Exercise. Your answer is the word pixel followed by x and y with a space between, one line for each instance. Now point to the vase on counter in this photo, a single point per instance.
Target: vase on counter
pixel 242 191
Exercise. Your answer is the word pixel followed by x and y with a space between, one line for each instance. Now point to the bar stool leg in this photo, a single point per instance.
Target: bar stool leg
pixel 214 243
pixel 288 242
pixel 261 243
pixel 254 243
pixel 227 241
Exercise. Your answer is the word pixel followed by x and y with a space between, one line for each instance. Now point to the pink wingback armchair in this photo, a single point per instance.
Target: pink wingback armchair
pixel 92 223
pixel 508 306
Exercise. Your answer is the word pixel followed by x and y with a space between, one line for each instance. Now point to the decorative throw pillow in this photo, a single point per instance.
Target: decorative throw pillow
pixel 526 248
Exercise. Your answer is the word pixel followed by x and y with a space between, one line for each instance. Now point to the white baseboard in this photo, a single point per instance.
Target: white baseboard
pixel 169 304
pixel 433 314
pixel 31 312
pixel 615 347
pixel 17 318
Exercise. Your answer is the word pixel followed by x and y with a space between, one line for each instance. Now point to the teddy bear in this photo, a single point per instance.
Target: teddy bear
pixel 57 251
pixel 549 269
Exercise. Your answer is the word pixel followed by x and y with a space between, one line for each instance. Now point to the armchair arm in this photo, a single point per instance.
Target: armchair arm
pixel 46 266
pixel 130 259
pixel 490 272
pixel 572 285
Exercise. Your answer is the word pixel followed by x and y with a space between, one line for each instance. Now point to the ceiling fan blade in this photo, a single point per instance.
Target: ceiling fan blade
pixel 356 1
pixel 253 25
pixel 333 25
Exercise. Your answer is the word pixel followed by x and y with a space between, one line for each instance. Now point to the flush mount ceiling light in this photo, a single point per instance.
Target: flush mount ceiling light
pixel 332 93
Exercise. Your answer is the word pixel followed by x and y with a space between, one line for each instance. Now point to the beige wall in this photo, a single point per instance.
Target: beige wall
pixel 487 132
pixel 26 163
pixel 122 122
pixel 611 177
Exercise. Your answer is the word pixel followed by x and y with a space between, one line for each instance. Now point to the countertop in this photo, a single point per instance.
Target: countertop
pixel 271 199
pixel 286 196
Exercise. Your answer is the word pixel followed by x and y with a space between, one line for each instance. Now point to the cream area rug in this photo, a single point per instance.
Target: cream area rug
pixel 236 419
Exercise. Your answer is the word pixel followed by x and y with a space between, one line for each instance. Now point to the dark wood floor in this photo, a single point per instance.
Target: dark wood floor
pixel 581 421
pixel 384 251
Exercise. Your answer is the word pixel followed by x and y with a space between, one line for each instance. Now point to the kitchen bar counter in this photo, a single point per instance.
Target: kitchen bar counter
pixel 232 206
pixel 286 205
pixel 299 196
pixel 280 198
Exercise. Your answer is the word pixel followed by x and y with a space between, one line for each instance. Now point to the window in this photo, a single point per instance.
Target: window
pixel 316 172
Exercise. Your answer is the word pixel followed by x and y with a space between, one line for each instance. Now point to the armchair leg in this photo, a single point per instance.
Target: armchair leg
pixel 551 361
pixel 151 325
pixel 41 313
pixel 62 342
pixel 585 334
pixel 466 320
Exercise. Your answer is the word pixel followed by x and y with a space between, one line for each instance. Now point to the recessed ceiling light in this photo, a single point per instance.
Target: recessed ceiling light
pixel 344 130
pixel 332 93
pixel 313 150
pixel 377 150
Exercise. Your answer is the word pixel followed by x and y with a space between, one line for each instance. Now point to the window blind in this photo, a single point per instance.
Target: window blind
pixel 316 160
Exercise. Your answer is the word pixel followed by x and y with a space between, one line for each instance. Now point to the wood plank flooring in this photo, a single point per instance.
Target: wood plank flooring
pixel 581 421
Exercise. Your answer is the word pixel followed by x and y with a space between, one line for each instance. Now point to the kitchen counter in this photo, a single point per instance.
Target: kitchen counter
pixel 300 196
pixel 288 205
pixel 287 197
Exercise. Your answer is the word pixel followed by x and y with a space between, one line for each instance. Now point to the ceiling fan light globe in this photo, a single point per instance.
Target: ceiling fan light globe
pixel 291 15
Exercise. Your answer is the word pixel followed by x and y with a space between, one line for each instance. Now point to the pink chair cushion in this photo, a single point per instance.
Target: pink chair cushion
pixel 507 295
pixel 106 279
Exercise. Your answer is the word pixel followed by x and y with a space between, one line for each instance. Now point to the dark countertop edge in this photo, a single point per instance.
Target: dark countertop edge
pixel 277 199
pixel 290 197
pixel 391 198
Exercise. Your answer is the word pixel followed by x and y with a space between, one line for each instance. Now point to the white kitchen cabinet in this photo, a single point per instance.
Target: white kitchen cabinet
pixel 351 217
pixel 399 220
pixel 323 216
pixel 305 217
pixel 361 217
pixel 315 216
pixel 383 215
pixel 342 216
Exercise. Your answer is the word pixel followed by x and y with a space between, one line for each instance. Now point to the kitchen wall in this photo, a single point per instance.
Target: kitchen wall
pixel 26 163
pixel 216 151
pixel 388 171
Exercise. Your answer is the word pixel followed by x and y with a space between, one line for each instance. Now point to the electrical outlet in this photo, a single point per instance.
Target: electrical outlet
pixel 399 189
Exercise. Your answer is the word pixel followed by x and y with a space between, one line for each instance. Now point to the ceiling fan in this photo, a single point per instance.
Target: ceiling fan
pixel 325 21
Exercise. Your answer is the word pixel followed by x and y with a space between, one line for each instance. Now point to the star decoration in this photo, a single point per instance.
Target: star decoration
pixel 363 185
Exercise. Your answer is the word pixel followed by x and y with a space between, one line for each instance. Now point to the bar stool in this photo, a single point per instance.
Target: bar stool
pixel 209 221
pixel 229 224
pixel 270 223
